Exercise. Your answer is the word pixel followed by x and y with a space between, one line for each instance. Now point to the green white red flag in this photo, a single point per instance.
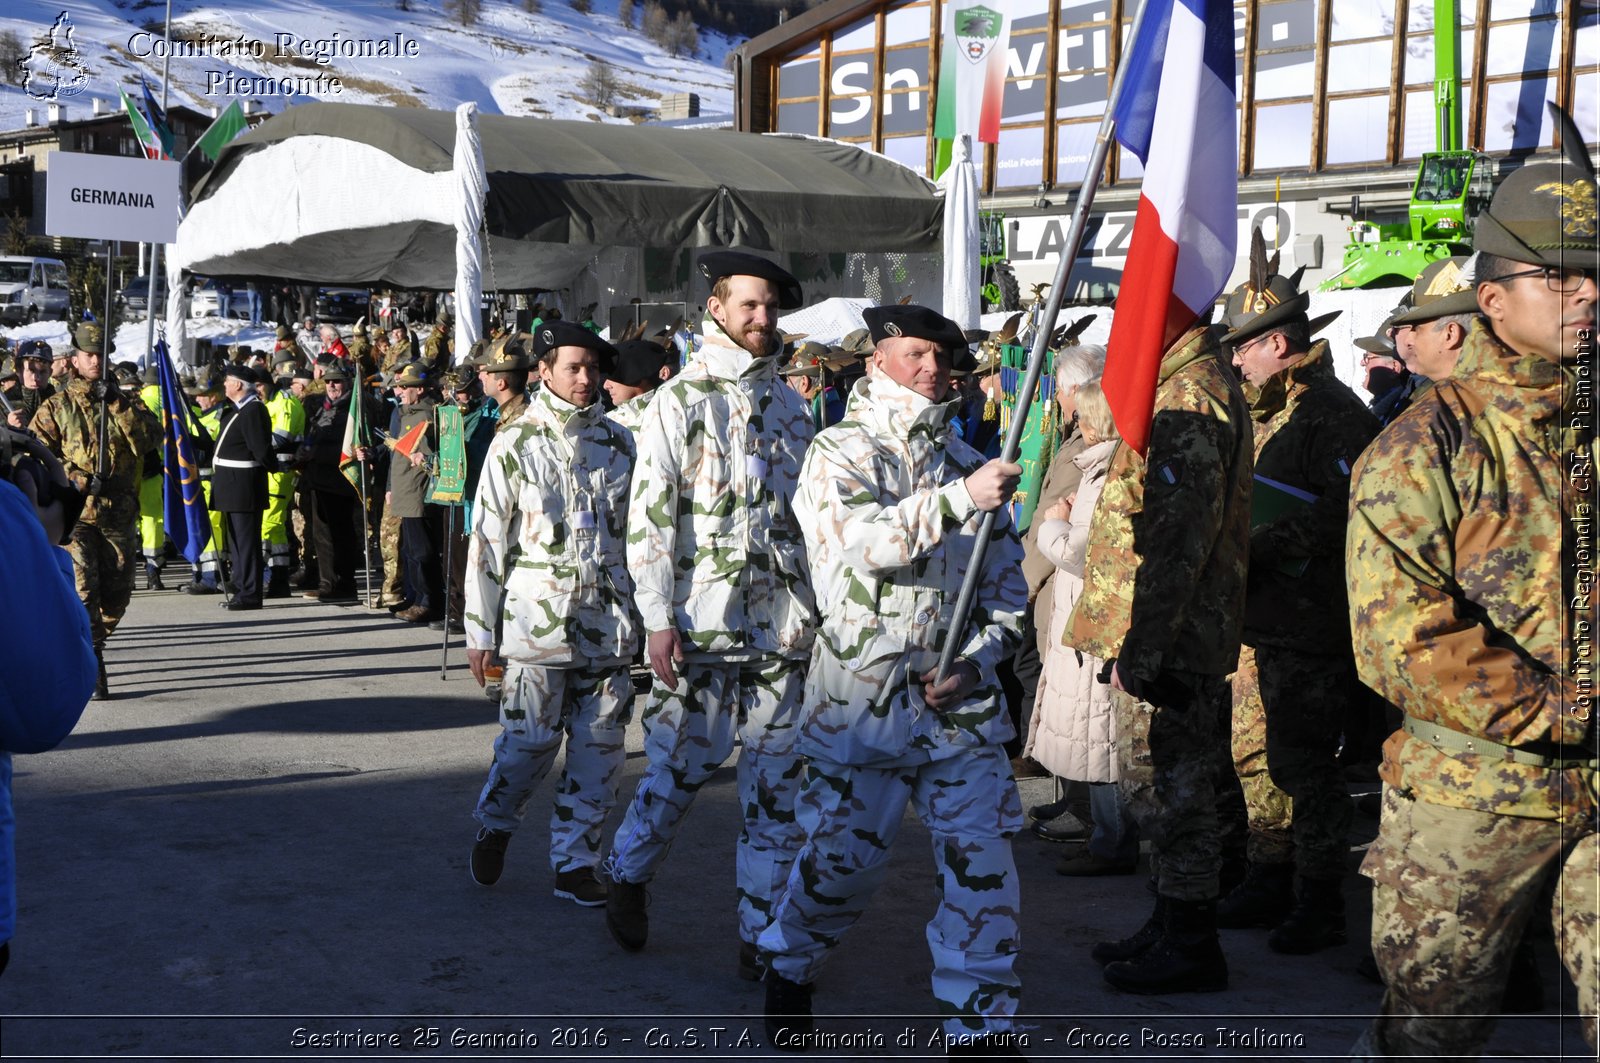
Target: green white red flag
pixel 972 70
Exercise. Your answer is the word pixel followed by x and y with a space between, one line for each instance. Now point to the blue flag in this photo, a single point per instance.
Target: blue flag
pixel 158 120
pixel 183 498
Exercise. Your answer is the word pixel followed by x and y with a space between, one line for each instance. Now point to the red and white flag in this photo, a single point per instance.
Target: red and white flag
pixel 1178 115
pixel 972 70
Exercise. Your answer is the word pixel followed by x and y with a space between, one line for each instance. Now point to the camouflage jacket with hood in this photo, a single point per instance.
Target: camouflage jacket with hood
pixel 713 542
pixel 1164 579
pixel 1467 600
pixel 890 529
pixel 547 577
pixel 1310 429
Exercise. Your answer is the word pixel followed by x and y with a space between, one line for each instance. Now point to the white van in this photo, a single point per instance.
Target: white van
pixel 32 288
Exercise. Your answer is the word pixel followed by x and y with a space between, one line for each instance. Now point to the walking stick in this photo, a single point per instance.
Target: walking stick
pixel 1041 342
pixel 366 534
pixel 449 569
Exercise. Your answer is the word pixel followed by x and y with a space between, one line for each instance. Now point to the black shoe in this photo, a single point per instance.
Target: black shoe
pixel 152 578
pixel 102 689
pixel 1187 959
pixel 788 1013
pixel 237 606
pixel 489 855
pixel 1138 943
pixel 582 887
pixel 306 581
pixel 625 914
pixel 1263 899
pixel 1049 811
pixel 277 588
pixel 200 586
pixel 1064 828
pixel 1316 923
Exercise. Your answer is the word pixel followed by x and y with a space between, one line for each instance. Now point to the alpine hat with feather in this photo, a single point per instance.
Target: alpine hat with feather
pixel 1267 300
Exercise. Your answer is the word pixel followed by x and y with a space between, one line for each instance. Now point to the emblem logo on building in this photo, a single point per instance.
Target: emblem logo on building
pixel 53 68
pixel 977 31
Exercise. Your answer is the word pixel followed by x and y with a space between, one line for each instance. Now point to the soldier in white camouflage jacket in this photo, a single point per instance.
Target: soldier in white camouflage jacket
pixel 725 596
pixel 891 500
pixel 548 587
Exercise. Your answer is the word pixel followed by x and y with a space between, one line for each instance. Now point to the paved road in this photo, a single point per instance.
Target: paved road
pixel 259 848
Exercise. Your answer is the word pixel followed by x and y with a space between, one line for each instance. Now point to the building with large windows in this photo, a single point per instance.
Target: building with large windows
pixel 1336 105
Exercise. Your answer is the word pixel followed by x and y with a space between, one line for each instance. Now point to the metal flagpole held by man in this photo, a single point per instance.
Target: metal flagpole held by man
pixel 1041 343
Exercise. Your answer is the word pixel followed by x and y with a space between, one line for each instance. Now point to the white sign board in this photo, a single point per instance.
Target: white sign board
pixel 109 197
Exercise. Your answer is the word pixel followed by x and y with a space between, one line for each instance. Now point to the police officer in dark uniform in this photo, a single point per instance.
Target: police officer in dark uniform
pixel 244 457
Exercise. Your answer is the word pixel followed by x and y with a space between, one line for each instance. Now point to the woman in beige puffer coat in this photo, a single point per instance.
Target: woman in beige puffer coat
pixel 1073 729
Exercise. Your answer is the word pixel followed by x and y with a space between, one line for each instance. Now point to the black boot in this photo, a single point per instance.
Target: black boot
pixel 277 583
pixel 101 690
pixel 152 577
pixel 1187 959
pixel 788 1013
pixel 1129 947
pixel 1317 921
pixel 1263 899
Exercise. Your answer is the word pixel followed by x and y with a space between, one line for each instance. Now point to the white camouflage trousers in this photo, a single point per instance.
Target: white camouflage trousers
pixel 589 706
pixel 688 732
pixel 851 815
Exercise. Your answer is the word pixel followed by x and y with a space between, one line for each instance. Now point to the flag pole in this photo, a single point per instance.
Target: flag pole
pixel 155 248
pixel 1041 343
pixel 449 566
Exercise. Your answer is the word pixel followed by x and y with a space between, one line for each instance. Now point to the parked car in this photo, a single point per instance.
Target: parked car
pixel 32 288
pixel 137 293
pixel 204 299
pixel 342 305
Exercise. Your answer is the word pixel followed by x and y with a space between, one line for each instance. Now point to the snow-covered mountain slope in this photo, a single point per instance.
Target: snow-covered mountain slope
pixel 511 61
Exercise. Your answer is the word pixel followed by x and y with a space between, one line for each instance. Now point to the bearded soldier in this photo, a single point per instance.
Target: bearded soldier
pixel 548 589
pixel 891 500
pixel 1473 609
pixel 719 562
pixel 106 467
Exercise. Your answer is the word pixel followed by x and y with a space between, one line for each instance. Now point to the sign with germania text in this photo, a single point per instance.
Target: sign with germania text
pixel 110 197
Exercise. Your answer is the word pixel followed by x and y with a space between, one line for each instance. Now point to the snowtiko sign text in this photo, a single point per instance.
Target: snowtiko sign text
pixel 108 197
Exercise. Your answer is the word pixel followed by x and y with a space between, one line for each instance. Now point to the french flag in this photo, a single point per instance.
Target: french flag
pixel 1178 115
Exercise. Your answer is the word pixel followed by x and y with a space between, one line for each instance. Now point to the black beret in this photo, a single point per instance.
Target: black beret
pixel 714 265
pixel 242 372
pixel 552 334
pixel 639 361
pixel 917 322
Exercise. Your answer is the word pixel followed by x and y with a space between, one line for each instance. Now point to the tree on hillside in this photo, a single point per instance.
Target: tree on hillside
pixel 533 7
pixel 465 11
pixel 582 7
pixel 600 86
pixel 11 55
pixel 683 36
pixel 625 13
pixel 654 22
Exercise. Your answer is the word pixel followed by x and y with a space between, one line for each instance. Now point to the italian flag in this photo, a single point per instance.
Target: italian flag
pixel 972 70
pixel 147 138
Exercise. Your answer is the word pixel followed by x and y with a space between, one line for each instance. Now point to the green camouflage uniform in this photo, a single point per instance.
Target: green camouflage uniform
pixel 889 531
pixel 104 541
pixel 717 554
pixel 630 414
pixel 548 589
pixel 1297 676
pixel 1473 613
pixel 1163 593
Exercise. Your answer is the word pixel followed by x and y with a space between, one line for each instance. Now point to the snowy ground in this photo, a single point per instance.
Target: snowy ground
pixel 132 344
